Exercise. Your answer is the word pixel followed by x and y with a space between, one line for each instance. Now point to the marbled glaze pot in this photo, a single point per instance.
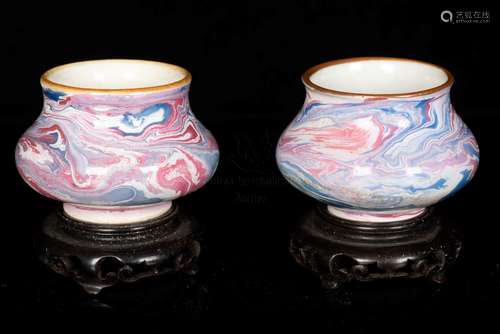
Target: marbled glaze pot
pixel 116 140
pixel 377 139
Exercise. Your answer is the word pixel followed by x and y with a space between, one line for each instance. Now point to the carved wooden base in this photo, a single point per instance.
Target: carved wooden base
pixel 339 251
pixel 98 256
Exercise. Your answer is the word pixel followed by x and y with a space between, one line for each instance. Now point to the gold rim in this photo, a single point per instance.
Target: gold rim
pixel 46 82
pixel 306 78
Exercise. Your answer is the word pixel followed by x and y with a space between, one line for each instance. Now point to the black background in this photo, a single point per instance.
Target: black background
pixel 246 59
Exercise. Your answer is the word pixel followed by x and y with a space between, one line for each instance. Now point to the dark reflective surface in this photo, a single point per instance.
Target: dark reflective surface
pixel 245 271
pixel 246 60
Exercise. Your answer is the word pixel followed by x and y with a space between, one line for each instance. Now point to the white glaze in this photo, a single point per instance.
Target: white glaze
pixel 379 77
pixel 115 215
pixel 116 74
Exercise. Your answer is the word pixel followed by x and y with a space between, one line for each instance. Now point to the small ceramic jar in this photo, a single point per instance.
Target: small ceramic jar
pixel 116 140
pixel 377 139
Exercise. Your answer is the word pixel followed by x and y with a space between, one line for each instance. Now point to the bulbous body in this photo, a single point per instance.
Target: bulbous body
pixel 116 149
pixel 377 158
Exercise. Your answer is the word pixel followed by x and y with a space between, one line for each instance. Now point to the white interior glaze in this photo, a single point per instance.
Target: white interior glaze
pixel 116 74
pixel 379 77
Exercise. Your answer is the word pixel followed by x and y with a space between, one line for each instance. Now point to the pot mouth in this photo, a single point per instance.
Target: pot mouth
pixel 378 77
pixel 115 76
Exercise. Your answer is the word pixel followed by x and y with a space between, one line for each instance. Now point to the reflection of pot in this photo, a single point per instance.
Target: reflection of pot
pixel 116 140
pixel 377 139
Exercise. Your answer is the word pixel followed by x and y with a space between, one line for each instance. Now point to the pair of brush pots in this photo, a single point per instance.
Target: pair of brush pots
pixel 377 140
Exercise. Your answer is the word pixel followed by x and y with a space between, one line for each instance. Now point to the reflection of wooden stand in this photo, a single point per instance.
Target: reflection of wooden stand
pixel 99 256
pixel 340 251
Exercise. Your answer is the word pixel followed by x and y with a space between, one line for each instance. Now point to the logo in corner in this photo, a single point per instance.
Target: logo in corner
pixel 447 16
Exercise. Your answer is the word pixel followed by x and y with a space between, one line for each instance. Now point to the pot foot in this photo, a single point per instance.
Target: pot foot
pixel 116 214
pixel 375 216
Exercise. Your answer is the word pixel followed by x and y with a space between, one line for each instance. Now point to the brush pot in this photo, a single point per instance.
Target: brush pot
pixel 377 139
pixel 116 141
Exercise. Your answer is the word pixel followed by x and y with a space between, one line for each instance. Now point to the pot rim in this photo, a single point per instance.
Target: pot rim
pixel 306 78
pixel 47 83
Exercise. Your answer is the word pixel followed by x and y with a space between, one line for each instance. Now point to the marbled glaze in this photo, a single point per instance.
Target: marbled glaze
pixel 117 149
pixel 378 153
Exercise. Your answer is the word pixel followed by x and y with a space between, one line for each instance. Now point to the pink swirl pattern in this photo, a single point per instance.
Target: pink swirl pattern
pixel 378 154
pixel 117 149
